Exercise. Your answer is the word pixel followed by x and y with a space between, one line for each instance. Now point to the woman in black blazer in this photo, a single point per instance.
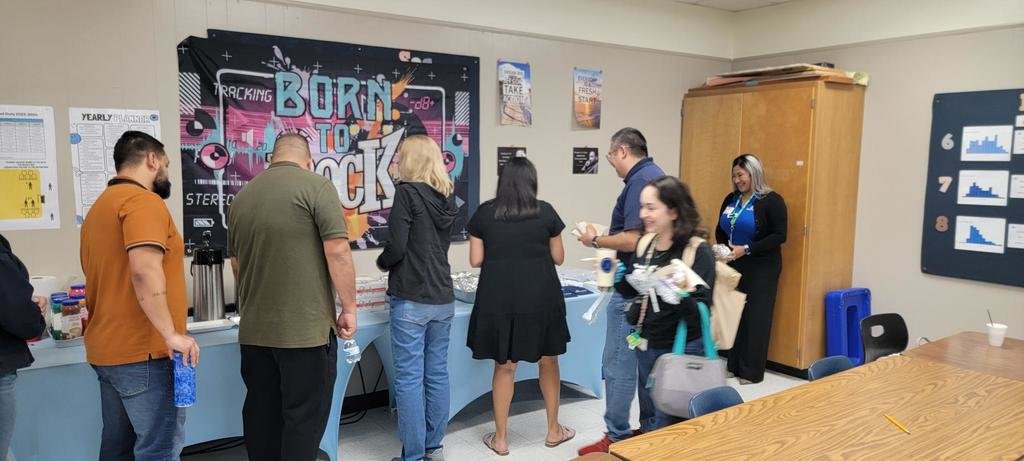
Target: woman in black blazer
pixel 753 223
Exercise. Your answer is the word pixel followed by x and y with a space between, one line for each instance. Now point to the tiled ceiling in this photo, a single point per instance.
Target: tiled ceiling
pixel 733 5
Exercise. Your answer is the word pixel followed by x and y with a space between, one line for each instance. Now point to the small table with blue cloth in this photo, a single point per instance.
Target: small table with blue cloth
pixel 580 365
pixel 58 404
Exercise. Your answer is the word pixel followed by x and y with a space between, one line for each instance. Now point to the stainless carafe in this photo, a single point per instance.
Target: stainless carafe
pixel 207 282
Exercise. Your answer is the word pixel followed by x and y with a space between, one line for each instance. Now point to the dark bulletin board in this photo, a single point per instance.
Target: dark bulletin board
pixel 974 200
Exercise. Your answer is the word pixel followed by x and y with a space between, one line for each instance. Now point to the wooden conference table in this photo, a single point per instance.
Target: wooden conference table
pixel 970 350
pixel 953 406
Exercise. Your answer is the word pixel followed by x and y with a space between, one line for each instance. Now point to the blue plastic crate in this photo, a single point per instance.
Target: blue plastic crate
pixel 844 310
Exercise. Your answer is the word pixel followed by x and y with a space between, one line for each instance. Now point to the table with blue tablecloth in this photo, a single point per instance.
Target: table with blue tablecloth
pixel 58 404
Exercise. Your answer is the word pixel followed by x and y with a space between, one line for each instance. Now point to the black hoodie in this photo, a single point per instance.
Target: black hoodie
pixel 416 254
pixel 20 318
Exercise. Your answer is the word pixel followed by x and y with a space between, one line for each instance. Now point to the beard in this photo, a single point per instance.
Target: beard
pixel 162 187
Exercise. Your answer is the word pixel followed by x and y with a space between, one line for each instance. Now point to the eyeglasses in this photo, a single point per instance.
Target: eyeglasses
pixel 616 149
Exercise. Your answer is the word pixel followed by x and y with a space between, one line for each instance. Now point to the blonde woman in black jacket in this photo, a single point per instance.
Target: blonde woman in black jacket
pixel 422 300
pixel 752 221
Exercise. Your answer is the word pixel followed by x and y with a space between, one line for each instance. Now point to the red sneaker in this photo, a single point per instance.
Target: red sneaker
pixel 601 446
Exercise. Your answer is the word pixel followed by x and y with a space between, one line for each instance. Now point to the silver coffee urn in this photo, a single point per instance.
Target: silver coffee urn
pixel 207 281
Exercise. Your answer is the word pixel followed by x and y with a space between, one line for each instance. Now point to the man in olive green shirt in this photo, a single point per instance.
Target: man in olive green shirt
pixel 289 252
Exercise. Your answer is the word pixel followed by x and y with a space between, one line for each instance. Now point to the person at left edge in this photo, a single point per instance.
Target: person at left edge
pixel 133 260
pixel 289 251
pixel 20 319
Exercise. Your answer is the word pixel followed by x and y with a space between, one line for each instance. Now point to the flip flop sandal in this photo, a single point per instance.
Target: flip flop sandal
pixel 489 441
pixel 567 435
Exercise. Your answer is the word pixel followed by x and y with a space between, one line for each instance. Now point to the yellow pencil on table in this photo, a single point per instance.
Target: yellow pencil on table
pixel 896 423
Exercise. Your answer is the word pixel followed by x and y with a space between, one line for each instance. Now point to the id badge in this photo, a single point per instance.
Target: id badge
pixel 633 340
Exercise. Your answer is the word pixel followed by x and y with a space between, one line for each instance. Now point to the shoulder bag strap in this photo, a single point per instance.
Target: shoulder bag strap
pixel 679 345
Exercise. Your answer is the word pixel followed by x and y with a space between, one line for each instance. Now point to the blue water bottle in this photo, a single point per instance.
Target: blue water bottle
pixel 184 383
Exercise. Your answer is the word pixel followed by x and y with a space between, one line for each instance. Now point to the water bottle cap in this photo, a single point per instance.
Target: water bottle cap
pixel 78 287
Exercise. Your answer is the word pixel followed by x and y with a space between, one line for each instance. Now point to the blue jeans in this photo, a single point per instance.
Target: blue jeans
pixel 140 420
pixel 6 411
pixel 650 418
pixel 419 343
pixel 618 367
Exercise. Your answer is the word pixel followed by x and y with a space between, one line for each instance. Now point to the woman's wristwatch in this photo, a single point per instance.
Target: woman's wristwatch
pixel 746 249
pixel 593 242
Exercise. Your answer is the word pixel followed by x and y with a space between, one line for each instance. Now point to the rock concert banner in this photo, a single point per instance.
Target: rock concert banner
pixel 354 103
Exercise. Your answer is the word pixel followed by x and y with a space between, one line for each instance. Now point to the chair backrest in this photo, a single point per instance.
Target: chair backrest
pixel 828 366
pixel 714 399
pixel 892 340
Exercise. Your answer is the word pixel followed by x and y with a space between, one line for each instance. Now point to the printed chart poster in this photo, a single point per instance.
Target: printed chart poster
pixel 507 153
pixel 1015 236
pixel 1017 186
pixel 983 187
pixel 584 160
pixel 586 95
pixel 986 143
pixel 515 89
pixel 354 103
pixel 975 188
pixel 980 234
pixel 1018 142
pixel 94 132
pixel 28 169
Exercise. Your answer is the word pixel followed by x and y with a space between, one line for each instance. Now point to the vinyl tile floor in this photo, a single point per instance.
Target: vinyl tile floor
pixel 374 437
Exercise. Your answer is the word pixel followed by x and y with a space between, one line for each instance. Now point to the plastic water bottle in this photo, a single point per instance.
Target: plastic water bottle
pixel 352 353
pixel 184 383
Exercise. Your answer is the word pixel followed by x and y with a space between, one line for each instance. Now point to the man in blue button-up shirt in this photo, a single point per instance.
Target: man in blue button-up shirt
pixel 628 155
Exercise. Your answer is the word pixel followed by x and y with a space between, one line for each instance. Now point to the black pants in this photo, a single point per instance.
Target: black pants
pixel 760 281
pixel 288 400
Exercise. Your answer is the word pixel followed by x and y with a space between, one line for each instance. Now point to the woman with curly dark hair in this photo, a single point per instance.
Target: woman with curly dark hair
pixel 667 210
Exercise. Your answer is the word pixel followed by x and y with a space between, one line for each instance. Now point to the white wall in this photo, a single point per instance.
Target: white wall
pixel 121 53
pixel 664 25
pixel 811 24
pixel 668 25
pixel 905 75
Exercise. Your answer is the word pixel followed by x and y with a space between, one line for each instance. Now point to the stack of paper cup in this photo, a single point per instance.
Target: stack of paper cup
pixel 43 285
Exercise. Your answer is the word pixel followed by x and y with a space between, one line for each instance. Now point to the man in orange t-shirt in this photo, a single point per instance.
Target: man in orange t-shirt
pixel 133 260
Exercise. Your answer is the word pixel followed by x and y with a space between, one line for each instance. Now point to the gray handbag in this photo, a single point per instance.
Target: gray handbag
pixel 676 377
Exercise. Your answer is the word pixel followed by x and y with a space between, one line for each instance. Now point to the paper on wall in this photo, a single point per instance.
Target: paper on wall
pixel 29 191
pixel 93 135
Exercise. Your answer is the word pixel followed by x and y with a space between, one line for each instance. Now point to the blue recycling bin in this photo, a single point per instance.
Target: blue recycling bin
pixel 844 310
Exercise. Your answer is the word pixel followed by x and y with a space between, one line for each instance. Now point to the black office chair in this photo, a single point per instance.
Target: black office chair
pixel 893 339
pixel 828 366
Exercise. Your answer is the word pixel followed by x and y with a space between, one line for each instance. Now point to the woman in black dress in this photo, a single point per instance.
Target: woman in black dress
pixel 519 312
